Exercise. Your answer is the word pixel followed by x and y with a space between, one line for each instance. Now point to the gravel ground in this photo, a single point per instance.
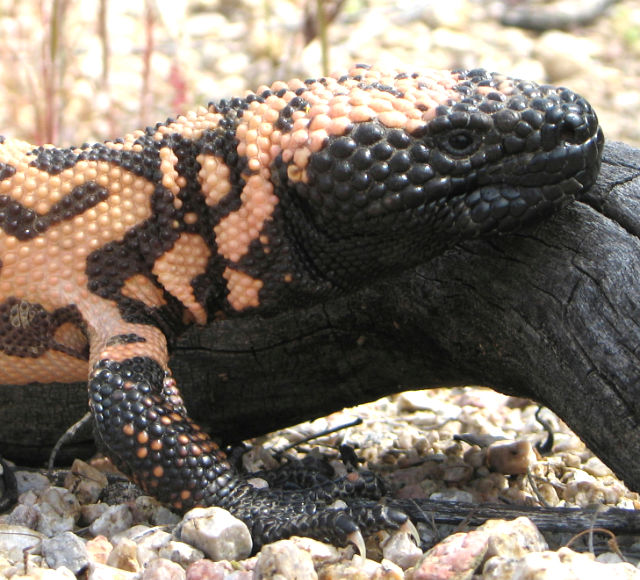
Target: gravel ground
pixel 188 53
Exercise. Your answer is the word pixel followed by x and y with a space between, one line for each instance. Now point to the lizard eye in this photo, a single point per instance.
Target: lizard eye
pixel 460 142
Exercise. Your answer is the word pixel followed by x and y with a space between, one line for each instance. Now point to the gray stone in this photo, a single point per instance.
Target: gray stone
pixel 67 550
pixel 58 510
pixel 116 519
pixel 181 553
pixel 31 481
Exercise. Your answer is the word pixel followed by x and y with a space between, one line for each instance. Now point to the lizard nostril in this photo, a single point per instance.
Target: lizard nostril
pixel 573 128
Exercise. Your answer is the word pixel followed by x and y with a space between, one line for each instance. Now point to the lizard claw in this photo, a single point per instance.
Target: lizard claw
pixel 357 540
pixel 409 528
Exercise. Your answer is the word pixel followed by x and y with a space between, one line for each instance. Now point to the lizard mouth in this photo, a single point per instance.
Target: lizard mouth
pixel 522 191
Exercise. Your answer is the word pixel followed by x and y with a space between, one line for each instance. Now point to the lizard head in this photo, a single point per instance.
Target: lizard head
pixel 408 164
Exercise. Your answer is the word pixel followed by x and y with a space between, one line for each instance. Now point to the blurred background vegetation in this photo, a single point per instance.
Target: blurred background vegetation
pixel 74 71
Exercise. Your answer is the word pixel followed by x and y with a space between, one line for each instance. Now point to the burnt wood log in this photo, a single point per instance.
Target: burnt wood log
pixel 552 313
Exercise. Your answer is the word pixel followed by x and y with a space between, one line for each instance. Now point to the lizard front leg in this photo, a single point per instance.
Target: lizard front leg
pixel 142 422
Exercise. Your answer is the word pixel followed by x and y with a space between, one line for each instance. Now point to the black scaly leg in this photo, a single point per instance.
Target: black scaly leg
pixel 141 420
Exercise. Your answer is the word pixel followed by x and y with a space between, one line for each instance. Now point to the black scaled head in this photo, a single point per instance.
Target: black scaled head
pixel 443 158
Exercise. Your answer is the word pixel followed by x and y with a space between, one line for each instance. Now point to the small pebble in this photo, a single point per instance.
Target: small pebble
pixel 149 509
pixel 457 556
pixel 208 570
pixel 361 569
pixel 98 549
pixel 457 473
pixel 149 540
pixel 409 401
pixel 31 480
pixel 595 467
pixel 16 540
pixel 90 513
pixel 58 510
pixel 116 519
pixel 510 457
pixel 85 481
pixel 124 556
pixel 401 549
pixel 283 559
pixel 60 573
pixel 217 533
pixel 181 553
pixel 320 552
pixel 23 515
pixel 513 538
pixel 452 494
pixel 163 569
pixel 104 572
pixel 66 550
pixel 554 565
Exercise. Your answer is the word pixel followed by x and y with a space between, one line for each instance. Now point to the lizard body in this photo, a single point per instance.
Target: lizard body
pixel 289 195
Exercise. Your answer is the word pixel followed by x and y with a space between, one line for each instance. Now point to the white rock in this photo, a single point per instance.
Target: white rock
pixel 609 558
pixel 4 565
pixel 149 541
pixel 320 552
pixel 360 568
pixel 217 533
pixel 513 538
pixel 283 559
pixel 14 540
pixel 30 497
pixel 150 544
pixel 564 563
pixel 450 14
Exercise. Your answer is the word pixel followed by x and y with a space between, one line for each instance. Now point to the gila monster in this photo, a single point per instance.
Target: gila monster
pixel 289 195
